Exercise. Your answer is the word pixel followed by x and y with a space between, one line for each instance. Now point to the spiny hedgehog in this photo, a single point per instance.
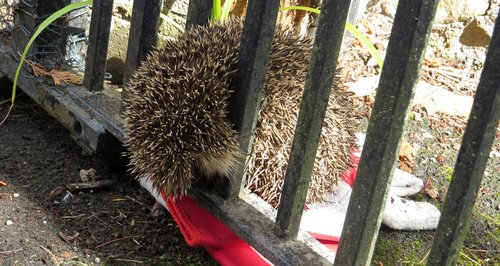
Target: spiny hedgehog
pixel 176 124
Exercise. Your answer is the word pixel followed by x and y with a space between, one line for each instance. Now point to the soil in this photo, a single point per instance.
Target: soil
pixel 109 226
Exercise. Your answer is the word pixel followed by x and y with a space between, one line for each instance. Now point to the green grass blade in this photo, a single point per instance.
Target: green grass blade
pixel 303 8
pixel 172 22
pixel 359 35
pixel 351 28
pixel 216 11
pixel 59 13
pixel 225 9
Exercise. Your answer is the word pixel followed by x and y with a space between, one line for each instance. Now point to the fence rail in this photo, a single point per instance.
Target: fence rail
pixel 276 234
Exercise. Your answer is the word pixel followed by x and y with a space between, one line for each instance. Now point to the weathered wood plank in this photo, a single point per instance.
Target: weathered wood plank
pixel 405 51
pixel 247 218
pixel 471 161
pixel 254 54
pixel 95 62
pixel 142 37
pixel 199 12
pixel 311 115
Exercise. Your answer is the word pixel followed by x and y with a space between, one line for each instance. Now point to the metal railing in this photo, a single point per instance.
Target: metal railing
pixel 276 235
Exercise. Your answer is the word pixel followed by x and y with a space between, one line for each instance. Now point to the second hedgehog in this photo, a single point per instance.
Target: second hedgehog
pixel 176 121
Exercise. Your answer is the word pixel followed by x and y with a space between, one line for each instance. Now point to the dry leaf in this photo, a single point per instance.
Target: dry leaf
pixel 59 76
pixel 430 190
pixel 407 152
pixel 441 159
pixel 3 184
pixel 56 192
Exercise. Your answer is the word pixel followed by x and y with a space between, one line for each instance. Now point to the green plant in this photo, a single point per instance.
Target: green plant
pixel 348 26
pixel 58 14
pixel 220 12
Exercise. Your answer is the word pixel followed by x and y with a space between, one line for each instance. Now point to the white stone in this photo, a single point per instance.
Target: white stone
pixel 448 10
pixel 364 86
pixel 427 135
pixel 460 10
pixel 15 195
pixel 436 99
pixel 9 222
pixel 494 154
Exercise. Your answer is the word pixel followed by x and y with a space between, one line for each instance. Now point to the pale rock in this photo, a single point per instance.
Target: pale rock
pixel 494 154
pixel 436 99
pixel 123 9
pixel 448 10
pixel 460 10
pixel 427 135
pixel 364 86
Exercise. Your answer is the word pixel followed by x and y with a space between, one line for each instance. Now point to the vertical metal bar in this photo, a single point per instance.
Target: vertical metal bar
pixel 410 31
pixel 471 161
pixel 353 11
pixel 199 12
pixel 317 90
pixel 143 35
pixel 244 105
pixel 95 62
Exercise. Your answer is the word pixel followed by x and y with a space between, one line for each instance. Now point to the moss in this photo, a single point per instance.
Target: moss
pixel 402 248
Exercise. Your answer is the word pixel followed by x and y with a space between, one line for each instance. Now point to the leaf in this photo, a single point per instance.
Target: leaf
pixel 3 184
pixel 441 159
pixel 430 190
pixel 216 11
pixel 407 152
pixel 59 76
pixel 225 9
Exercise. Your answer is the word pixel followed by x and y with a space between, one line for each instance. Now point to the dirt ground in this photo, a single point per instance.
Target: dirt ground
pixel 110 226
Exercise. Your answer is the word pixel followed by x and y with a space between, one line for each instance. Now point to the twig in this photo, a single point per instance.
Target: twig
pixel 10 251
pixel 136 201
pixel 128 260
pixel 9 100
pixel 7 115
pixel 74 216
pixel 51 254
pixel 5 101
pixel 113 241
pixel 91 234
pixel 89 185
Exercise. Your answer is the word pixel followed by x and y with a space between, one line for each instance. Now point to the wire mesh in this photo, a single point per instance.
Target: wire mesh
pixel 61 45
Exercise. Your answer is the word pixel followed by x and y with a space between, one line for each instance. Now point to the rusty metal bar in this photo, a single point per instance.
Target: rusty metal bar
pixel 244 105
pixel 95 62
pixel 199 12
pixel 471 161
pixel 311 115
pixel 405 51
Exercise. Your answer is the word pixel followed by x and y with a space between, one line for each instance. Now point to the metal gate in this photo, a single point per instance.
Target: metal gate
pixel 92 114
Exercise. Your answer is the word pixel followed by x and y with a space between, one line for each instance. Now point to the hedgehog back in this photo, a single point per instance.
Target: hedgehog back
pixel 175 115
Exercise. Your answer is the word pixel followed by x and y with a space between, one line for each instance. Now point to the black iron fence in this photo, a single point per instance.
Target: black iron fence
pixel 93 117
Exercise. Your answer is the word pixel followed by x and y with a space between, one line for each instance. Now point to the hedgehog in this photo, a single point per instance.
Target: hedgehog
pixel 176 114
